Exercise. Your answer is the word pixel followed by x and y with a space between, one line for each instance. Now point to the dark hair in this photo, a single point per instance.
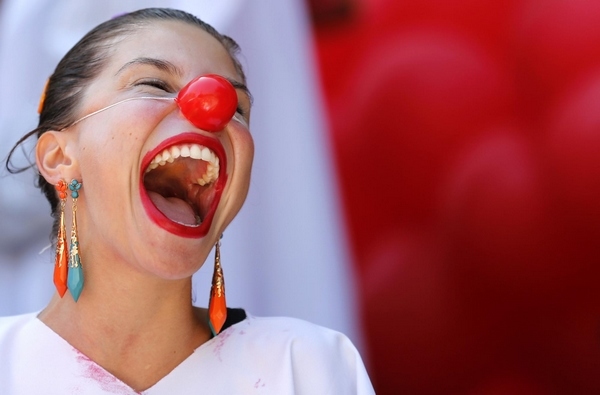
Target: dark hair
pixel 83 63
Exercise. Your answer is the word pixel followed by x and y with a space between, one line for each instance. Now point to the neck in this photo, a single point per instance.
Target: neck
pixel 136 326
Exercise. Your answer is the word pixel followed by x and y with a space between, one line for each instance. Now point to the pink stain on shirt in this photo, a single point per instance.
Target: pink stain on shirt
pixel 220 341
pixel 107 382
pixel 259 384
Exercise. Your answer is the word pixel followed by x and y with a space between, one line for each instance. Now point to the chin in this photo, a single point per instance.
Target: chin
pixel 177 265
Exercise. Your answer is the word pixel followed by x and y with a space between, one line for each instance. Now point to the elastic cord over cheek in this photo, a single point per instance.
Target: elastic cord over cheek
pixel 209 102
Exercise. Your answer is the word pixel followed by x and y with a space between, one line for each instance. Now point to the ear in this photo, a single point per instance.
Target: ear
pixel 53 158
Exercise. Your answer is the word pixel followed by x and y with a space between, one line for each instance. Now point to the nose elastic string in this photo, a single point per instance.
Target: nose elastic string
pixel 117 103
pixel 209 102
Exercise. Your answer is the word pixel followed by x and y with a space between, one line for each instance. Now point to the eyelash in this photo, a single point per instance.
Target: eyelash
pixel 240 111
pixel 155 83
pixel 159 84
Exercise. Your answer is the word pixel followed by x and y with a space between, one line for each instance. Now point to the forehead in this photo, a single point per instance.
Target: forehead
pixel 191 49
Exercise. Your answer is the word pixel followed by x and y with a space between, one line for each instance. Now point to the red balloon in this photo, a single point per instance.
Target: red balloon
pixel 572 150
pixel 466 138
pixel 208 102
pixel 563 350
pixel 495 218
pixel 556 43
pixel 414 99
pixel 510 383
pixel 420 340
pixel 488 21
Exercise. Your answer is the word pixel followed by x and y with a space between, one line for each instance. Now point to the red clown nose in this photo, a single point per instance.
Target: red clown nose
pixel 208 102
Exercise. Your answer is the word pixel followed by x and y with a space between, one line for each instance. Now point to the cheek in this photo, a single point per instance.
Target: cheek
pixel 105 153
pixel 248 143
pixel 121 126
pixel 108 159
pixel 242 141
pixel 241 167
pixel 117 137
pixel 246 159
pixel 243 145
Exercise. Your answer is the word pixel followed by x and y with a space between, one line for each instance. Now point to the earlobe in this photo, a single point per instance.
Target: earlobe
pixel 52 157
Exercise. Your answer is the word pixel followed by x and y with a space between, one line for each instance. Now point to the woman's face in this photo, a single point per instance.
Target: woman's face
pixel 160 216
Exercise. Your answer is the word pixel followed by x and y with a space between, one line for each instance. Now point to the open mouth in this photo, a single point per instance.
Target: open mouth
pixel 182 184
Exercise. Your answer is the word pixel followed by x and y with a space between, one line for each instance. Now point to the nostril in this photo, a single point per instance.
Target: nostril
pixel 208 102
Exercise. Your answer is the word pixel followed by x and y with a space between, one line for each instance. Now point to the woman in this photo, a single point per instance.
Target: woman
pixel 144 152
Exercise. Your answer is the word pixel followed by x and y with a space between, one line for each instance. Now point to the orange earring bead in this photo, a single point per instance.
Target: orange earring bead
pixel 62 260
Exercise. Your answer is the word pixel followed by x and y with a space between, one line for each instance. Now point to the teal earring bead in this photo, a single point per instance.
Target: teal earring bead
pixel 75 276
pixel 74 186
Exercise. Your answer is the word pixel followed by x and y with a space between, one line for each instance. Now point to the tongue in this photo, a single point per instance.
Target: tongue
pixel 174 208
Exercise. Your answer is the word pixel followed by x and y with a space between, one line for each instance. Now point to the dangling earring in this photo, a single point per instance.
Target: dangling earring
pixel 217 308
pixel 75 277
pixel 61 262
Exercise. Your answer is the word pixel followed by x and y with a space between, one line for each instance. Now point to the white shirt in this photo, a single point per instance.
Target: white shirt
pixel 255 356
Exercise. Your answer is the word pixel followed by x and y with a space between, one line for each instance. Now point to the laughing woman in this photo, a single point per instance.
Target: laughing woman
pixel 144 153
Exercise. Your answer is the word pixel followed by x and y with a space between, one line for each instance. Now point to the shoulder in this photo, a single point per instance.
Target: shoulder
pixel 15 335
pixel 15 332
pixel 295 333
pixel 11 326
pixel 313 356
pixel 307 340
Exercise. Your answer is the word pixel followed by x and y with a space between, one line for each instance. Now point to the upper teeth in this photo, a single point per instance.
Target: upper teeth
pixel 194 151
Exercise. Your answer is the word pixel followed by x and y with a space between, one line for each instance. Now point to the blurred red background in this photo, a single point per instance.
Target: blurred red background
pixel 467 141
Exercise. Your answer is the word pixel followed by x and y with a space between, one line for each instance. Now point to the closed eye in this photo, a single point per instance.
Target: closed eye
pixel 160 84
pixel 155 83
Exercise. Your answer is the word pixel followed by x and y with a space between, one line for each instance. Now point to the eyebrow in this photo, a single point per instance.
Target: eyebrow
pixel 158 63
